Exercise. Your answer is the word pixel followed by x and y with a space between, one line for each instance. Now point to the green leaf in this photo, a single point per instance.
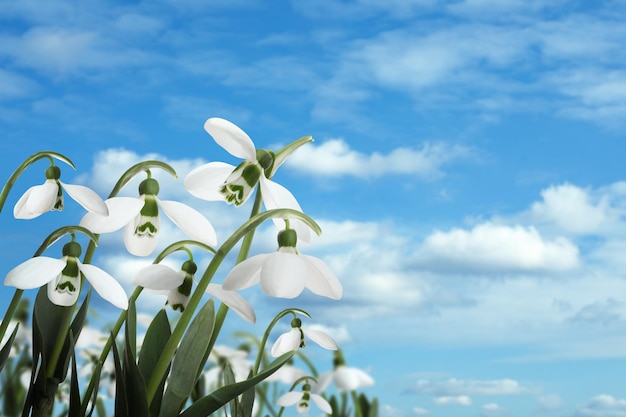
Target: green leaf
pixel 212 402
pixel 74 407
pixel 121 401
pixel 75 328
pixel 188 360
pixel 6 349
pixel 133 381
pixel 95 401
pixel 247 401
pixel 229 379
pixel 156 337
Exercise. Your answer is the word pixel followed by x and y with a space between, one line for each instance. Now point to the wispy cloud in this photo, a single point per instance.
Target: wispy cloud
pixel 335 158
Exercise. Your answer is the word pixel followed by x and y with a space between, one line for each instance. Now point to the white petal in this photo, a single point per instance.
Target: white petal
pixel 283 275
pixel 234 301
pixel 230 137
pixel 138 245
pixel 321 403
pixel 34 273
pixel 36 200
pixel 205 181
pixel 105 285
pixel 321 280
pixel 288 399
pixel 286 342
pixel 87 198
pixel 245 274
pixel 349 379
pixel 276 196
pixel 122 210
pixel 190 221
pixel 323 381
pixel 321 339
pixel 158 277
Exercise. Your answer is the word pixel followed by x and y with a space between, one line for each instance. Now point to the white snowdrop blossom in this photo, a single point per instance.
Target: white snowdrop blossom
pixel 287 374
pixel 219 181
pixel 220 356
pixel 40 199
pixel 177 286
pixel 294 339
pixel 285 273
pixel 141 220
pixel 63 277
pixel 302 400
pixel 344 377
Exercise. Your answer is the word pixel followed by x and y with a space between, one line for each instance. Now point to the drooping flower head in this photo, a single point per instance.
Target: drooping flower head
pixel 345 378
pixel 302 400
pixel 63 278
pixel 40 199
pixel 141 219
pixel 285 273
pixel 177 286
pixel 219 181
pixel 294 339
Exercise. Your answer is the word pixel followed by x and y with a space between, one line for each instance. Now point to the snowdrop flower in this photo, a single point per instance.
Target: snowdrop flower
pixel 63 277
pixel 40 199
pixel 219 181
pixel 302 400
pixel 344 378
pixel 222 355
pixel 287 374
pixel 285 273
pixel 294 339
pixel 141 221
pixel 177 286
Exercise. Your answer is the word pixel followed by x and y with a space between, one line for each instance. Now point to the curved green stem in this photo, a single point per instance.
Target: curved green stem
pixel 194 301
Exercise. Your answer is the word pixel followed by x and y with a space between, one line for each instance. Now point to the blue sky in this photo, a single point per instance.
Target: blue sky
pixel 467 170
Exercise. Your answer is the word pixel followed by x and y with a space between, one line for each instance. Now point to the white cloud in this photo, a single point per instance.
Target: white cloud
pixel 491 409
pixel 603 406
pixel 573 209
pixel 418 411
pixel 335 158
pixel 490 247
pixel 462 400
pixel 457 387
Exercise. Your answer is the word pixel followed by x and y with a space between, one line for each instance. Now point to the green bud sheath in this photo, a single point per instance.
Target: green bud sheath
pixel 53 173
pixel 149 186
pixel 287 237
pixel 72 249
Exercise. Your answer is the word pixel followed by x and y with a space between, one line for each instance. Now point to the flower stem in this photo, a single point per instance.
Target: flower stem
pixel 17 295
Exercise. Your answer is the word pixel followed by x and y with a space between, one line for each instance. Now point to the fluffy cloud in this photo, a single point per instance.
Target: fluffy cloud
pixel 491 247
pixel 462 400
pixel 574 209
pixel 457 387
pixel 603 406
pixel 335 158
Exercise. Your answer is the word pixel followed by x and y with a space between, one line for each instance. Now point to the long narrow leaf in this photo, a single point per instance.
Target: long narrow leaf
pixel 188 359
pixel 74 407
pixel 211 403
pixel 121 401
pixel 133 381
pixel 156 337
pixel 6 349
